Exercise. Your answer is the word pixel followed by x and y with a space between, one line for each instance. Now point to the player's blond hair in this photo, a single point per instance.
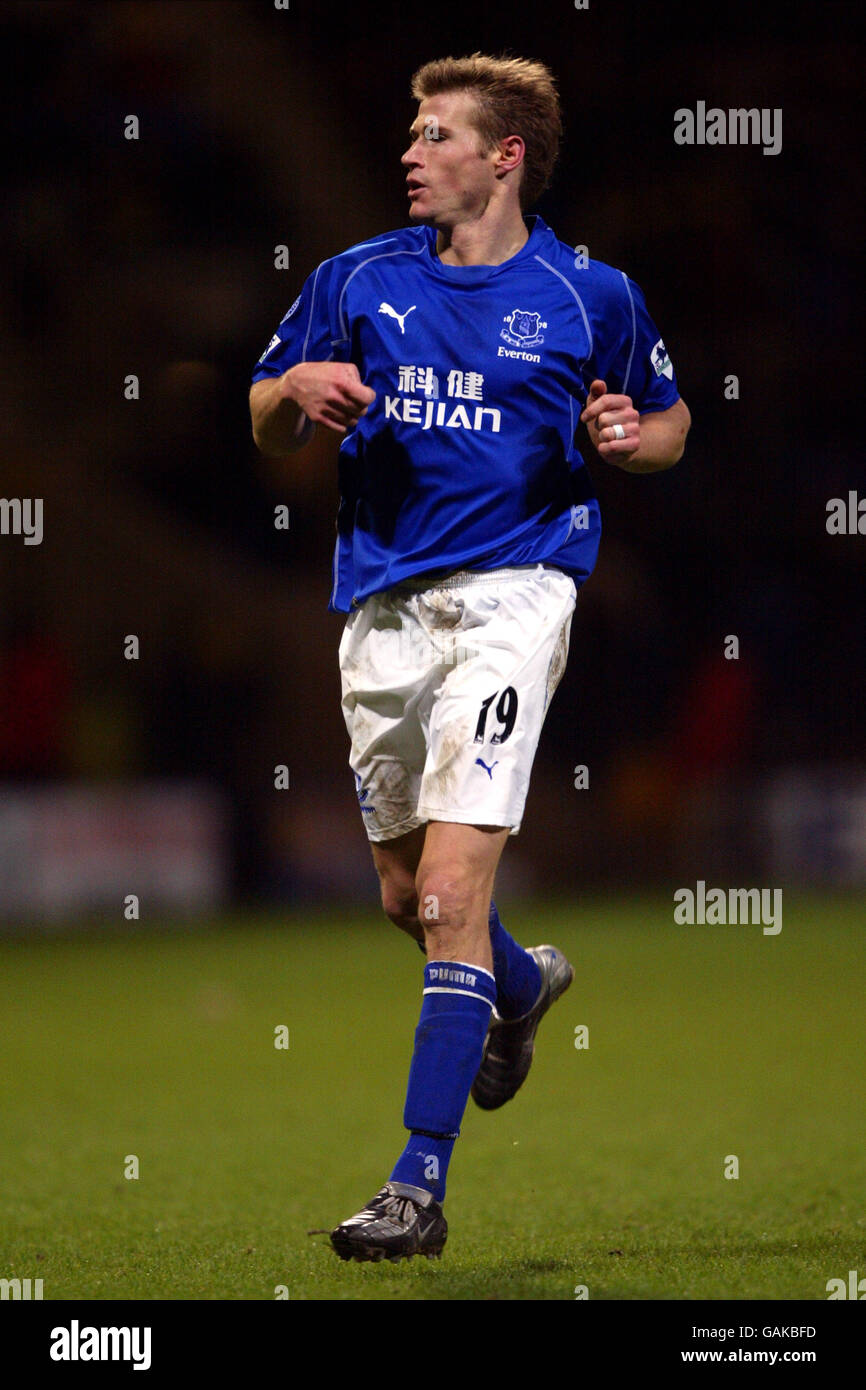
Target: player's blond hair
pixel 513 96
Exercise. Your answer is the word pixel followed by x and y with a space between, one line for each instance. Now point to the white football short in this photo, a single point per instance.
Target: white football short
pixel 445 689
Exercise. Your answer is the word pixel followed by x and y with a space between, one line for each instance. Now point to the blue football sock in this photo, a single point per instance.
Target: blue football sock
pixel 449 1041
pixel 424 1163
pixel 518 978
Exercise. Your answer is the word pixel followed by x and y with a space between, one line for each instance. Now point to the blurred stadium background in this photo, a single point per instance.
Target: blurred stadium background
pixel 262 127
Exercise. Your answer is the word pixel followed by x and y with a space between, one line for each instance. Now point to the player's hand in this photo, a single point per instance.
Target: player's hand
pixel 601 413
pixel 329 393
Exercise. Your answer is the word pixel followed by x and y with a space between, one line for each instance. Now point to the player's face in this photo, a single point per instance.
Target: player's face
pixel 448 179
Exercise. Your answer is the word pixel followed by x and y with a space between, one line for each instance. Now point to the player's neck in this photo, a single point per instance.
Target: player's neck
pixel 485 241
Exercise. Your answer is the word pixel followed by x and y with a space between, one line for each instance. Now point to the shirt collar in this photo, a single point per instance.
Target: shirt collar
pixel 474 274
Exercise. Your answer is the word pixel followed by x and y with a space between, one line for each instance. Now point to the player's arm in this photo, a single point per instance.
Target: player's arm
pixel 642 443
pixel 286 409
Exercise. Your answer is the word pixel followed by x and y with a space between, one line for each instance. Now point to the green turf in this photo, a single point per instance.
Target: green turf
pixel 605 1171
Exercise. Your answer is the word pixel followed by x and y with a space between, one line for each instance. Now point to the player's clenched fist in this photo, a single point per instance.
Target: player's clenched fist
pixel 329 393
pixel 613 423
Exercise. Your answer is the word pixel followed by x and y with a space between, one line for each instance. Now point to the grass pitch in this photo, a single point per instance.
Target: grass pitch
pixel 607 1170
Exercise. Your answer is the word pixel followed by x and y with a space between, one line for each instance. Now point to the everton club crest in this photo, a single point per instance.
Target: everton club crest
pixel 523 329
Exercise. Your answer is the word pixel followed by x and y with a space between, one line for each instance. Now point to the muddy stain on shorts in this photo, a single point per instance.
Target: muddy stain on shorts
pixel 443 779
pixel 557 664
pixel 443 608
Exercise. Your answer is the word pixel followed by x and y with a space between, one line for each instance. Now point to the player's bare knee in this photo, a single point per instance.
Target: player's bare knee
pixel 406 919
pixel 447 900
pixel 400 903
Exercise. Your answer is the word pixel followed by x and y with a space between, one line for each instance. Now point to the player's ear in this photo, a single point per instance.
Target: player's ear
pixel 510 153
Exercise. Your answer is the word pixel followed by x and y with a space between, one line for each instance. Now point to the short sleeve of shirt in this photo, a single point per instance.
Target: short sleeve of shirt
pixel 308 332
pixel 630 355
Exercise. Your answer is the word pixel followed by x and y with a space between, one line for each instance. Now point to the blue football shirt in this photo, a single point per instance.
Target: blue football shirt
pixel 466 458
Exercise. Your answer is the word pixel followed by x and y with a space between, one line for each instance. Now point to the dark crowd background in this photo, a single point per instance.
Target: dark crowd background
pixel 262 126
